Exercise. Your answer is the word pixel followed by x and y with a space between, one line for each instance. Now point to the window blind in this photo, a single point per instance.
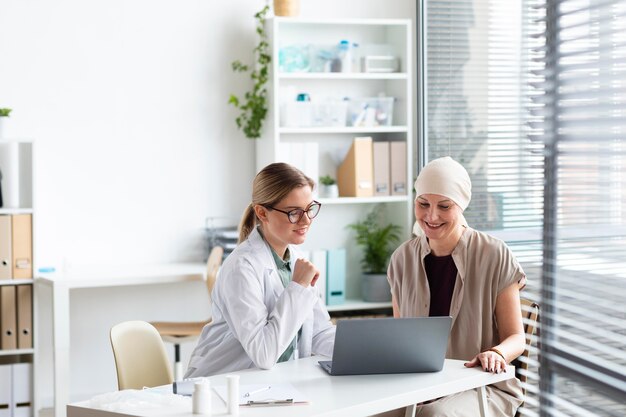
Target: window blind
pixel 481 69
pixel 583 127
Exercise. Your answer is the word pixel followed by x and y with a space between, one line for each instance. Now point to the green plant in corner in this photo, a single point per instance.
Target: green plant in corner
pixel 5 112
pixel 253 106
pixel 376 239
pixel 327 180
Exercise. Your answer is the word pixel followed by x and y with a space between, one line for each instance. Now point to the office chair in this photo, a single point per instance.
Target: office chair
pixel 140 356
pixel 181 332
pixel 530 319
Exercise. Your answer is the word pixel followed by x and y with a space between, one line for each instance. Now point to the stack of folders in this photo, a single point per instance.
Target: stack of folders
pixel 331 283
pixel 15 390
pixel 373 169
pixel 16 300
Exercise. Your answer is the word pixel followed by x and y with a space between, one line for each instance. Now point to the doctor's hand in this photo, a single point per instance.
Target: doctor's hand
pixel 304 273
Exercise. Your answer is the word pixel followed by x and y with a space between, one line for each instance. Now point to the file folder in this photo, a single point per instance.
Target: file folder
pixel 381 169
pixel 336 277
pixel 398 168
pixel 355 174
pixel 22 389
pixel 24 316
pixel 318 258
pixel 6 390
pixel 6 259
pixel 21 228
pixel 8 320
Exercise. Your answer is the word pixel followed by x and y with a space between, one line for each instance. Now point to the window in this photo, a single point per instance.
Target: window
pixel 583 339
pixel 540 127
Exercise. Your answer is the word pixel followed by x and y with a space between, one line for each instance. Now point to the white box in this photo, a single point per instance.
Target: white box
pixel 380 63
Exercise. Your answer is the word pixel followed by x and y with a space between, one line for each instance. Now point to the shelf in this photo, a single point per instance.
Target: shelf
pixel 342 76
pixel 365 200
pixel 16 211
pixel 13 352
pixel 356 305
pixel 348 129
pixel 16 281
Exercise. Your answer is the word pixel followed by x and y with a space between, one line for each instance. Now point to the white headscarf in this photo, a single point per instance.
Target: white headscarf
pixel 446 177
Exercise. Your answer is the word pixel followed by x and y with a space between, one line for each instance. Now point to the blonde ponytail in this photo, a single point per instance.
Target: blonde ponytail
pixel 247 223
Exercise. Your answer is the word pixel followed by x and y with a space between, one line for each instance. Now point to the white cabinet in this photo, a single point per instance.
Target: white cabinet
pixel 17 341
pixel 302 54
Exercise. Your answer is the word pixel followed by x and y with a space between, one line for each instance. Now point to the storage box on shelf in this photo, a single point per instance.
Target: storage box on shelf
pixel 321 99
pixel 17 342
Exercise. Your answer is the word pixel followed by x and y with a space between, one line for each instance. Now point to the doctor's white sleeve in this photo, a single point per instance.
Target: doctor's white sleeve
pixel 263 334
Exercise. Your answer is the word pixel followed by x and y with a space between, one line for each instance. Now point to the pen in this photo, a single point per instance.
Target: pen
pixel 256 391
pixel 288 401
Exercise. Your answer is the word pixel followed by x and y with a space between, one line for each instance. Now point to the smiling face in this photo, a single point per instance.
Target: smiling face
pixel 440 219
pixel 277 229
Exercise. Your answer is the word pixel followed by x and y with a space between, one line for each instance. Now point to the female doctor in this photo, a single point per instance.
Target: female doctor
pixel 265 307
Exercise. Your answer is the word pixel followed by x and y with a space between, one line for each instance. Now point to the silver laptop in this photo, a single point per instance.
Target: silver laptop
pixel 389 346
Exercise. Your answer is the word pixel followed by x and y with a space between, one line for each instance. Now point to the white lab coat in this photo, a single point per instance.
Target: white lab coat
pixel 255 318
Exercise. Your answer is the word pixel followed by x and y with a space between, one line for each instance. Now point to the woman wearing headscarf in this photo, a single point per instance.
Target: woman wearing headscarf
pixel 451 269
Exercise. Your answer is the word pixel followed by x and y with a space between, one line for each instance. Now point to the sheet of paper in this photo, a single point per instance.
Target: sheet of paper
pixel 264 392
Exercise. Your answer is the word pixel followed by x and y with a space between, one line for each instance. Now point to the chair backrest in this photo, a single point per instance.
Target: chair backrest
pixel 212 266
pixel 530 318
pixel 140 356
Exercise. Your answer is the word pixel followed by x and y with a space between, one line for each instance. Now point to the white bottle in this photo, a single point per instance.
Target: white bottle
pixel 232 385
pixel 201 397
pixel 345 54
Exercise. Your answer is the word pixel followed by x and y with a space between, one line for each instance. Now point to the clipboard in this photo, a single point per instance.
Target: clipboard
pixel 264 395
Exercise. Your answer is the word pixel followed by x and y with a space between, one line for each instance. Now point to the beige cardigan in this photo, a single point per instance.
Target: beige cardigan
pixel 485 266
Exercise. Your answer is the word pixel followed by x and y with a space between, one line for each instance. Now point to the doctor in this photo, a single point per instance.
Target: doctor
pixel 265 307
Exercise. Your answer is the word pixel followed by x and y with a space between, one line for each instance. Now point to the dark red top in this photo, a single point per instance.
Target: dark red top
pixel 441 272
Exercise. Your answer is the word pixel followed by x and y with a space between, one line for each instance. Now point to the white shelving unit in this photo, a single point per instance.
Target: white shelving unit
pixel 329 230
pixel 20 154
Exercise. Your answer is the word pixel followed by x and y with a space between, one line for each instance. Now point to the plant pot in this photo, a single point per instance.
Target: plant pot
pixel 375 288
pixel 329 191
pixel 286 7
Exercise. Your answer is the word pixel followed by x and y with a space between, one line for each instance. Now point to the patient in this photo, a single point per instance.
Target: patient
pixel 452 269
pixel 264 303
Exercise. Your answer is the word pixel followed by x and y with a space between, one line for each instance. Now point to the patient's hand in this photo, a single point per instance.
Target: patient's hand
pixel 490 362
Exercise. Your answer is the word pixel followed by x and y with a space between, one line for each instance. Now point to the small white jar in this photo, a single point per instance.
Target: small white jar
pixel 201 398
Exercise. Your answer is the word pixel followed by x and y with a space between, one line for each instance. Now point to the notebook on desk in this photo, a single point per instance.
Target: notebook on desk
pixel 389 346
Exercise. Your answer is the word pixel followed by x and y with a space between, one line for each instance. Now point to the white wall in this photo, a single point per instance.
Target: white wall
pixel 136 146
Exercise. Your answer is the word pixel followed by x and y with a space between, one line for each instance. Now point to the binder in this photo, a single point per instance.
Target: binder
pixel 355 174
pixel 397 161
pixel 318 258
pixel 22 389
pixel 21 226
pixel 336 276
pixel 24 316
pixel 382 174
pixel 6 390
pixel 8 320
pixel 6 259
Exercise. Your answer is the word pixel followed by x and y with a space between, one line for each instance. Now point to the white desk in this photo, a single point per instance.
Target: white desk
pixel 330 396
pixel 99 277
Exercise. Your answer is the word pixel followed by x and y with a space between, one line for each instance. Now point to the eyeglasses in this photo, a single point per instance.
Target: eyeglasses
pixel 295 215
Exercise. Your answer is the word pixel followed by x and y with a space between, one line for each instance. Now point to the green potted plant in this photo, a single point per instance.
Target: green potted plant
pixel 4 113
pixel 328 187
pixel 378 241
pixel 253 106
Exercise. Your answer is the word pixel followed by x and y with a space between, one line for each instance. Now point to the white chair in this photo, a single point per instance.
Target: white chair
pixel 140 356
pixel 181 332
